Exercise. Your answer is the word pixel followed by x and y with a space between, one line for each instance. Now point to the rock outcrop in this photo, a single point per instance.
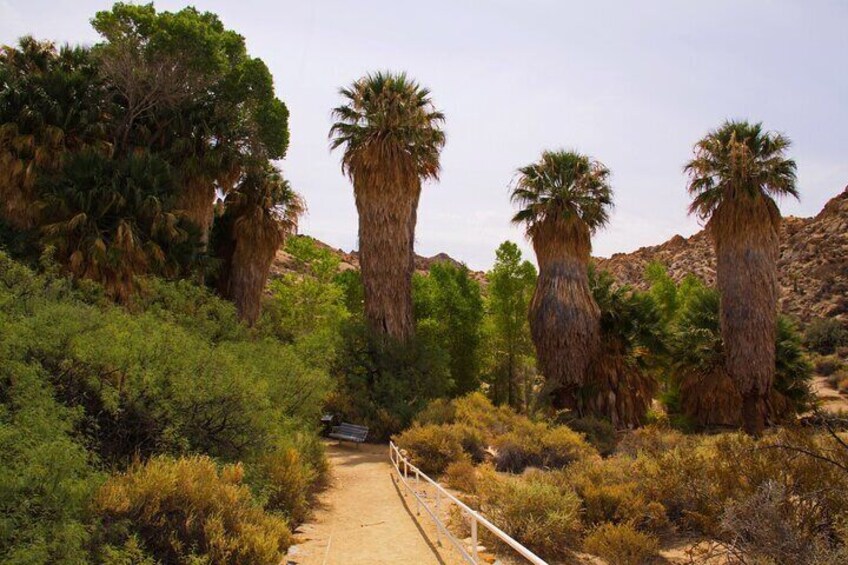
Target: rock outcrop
pixel 813 265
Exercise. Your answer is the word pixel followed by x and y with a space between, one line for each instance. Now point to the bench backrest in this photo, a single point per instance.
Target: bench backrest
pixel 351 430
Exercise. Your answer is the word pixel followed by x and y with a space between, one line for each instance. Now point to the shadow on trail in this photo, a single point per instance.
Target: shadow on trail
pixel 414 519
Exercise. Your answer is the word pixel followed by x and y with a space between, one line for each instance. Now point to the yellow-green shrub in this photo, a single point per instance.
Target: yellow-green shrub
pixel 438 411
pixel 431 448
pixel 462 476
pixel 475 410
pixel 534 444
pixel 188 508
pixel 622 544
pixel 543 516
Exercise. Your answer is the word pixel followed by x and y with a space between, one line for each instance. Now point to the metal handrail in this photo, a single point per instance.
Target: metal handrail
pixel 398 460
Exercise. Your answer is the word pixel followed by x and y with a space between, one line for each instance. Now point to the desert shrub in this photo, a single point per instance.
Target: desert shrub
pixel 839 380
pixel 826 366
pixel 286 478
pixel 622 544
pixel 476 410
pixel 438 411
pixel 543 516
pixel 534 444
pixel 431 448
pixel 462 476
pixel 472 441
pixel 599 433
pixel 653 439
pixel 190 509
pixel 825 335
pixel 611 492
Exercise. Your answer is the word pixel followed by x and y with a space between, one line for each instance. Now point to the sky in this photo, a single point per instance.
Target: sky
pixel 633 84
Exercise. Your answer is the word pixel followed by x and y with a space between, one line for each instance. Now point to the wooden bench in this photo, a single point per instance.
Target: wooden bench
pixel 349 432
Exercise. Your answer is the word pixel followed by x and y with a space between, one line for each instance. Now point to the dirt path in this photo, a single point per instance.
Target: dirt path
pixel 362 518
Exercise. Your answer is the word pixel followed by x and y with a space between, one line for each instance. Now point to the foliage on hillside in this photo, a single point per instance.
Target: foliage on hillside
pixel 90 389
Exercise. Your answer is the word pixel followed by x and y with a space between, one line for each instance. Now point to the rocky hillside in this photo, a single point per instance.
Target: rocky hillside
pixel 813 262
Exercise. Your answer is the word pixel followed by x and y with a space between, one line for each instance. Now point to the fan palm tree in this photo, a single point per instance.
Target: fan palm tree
pixel 391 136
pixel 736 173
pixel 563 198
pixel 258 216
pixel 51 103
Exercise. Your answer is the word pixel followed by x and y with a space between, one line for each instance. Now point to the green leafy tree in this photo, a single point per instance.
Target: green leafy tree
pixel 509 347
pixel 452 300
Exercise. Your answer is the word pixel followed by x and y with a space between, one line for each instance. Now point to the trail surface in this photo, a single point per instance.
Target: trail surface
pixel 362 518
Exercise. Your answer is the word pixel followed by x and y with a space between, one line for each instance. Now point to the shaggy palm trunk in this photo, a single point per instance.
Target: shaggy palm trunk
pixel 197 201
pixel 247 256
pixel 617 390
pixel 564 318
pixel 745 233
pixel 387 218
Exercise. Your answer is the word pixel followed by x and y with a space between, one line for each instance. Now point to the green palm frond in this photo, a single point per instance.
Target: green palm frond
pixel 563 185
pixel 739 160
pixel 392 114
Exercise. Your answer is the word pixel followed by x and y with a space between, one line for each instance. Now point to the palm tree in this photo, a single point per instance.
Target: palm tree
pixel 563 199
pixel 108 219
pixel 51 103
pixel 736 173
pixel 259 214
pixel 392 137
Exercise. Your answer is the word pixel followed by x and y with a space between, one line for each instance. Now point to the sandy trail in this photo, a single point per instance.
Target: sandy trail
pixel 362 518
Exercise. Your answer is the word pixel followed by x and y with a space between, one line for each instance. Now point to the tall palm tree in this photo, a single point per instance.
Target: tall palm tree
pixel 391 136
pixel 737 171
pixel 259 214
pixel 563 198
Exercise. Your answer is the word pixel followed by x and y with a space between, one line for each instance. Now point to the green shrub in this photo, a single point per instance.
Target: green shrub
pixel 384 385
pixel 541 515
pixel 477 411
pixel 622 544
pixel 46 476
pixel 825 335
pixel 188 509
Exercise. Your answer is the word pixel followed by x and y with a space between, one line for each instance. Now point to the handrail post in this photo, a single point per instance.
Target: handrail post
pixel 474 538
pixel 439 517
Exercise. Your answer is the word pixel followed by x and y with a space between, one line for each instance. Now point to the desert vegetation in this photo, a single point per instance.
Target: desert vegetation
pixel 168 342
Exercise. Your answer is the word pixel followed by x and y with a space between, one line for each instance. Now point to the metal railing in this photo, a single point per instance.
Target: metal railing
pixel 404 470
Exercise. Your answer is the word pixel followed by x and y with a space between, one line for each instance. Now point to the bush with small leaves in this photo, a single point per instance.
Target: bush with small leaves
pixel 541 515
pixel 825 335
pixel 462 475
pixel 431 448
pixel 622 544
pixel 190 510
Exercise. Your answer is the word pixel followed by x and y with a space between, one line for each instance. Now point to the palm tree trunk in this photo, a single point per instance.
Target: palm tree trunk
pixel 564 318
pixel 745 233
pixel 197 201
pixel 255 239
pixel 387 218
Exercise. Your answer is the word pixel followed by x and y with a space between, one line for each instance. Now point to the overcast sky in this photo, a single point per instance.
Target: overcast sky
pixel 633 84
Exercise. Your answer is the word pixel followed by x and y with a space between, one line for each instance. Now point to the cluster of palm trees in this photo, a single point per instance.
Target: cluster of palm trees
pixel 391 136
pixel 113 156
